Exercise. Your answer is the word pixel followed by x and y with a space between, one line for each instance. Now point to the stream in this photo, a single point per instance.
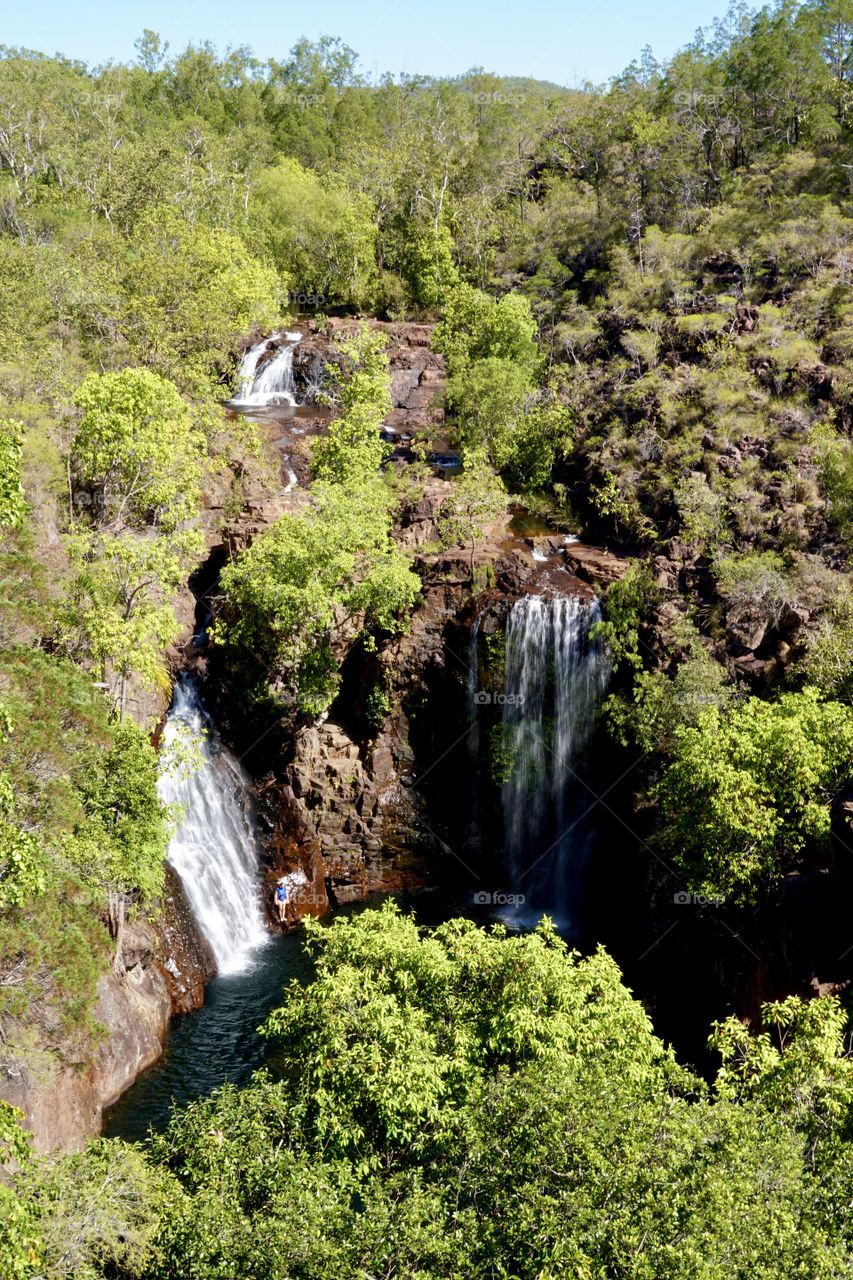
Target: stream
pixel 220 1043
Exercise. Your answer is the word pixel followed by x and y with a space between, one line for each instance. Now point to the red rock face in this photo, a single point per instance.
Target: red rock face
pixel 595 565
pixel 186 960
pixel 63 1105
pixel 290 845
pixel 418 375
pixel 335 806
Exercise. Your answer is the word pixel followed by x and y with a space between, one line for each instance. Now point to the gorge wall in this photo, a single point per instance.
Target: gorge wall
pixel 161 972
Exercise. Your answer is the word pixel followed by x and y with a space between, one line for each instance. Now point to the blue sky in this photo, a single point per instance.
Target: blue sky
pixel 567 42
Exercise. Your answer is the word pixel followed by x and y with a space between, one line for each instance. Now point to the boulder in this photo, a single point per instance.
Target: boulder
pixel 595 565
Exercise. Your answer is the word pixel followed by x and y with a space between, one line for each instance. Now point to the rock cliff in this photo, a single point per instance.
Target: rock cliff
pixel 418 375
pixel 164 968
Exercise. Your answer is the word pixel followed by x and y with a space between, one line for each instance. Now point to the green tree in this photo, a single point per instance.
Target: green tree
pixel 13 505
pixel 138 450
pixel 140 456
pixel 351 450
pixel 433 1117
pixel 23 872
pixel 97 1212
pixel 320 234
pixel 428 267
pixel 116 612
pixel 396 1030
pixel 124 837
pixel 190 293
pixel 476 326
pixel 309 579
pixel 21 1249
pixel 747 793
pixel 522 430
pixel 476 500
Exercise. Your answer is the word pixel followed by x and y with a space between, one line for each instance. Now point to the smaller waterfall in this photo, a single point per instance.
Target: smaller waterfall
pixel 268 381
pixel 554 680
pixel 215 848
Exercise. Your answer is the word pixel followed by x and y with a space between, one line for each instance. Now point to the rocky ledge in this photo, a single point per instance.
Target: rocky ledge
pixel 345 804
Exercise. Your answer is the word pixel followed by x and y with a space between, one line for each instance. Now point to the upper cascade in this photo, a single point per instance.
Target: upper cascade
pixel 215 847
pixel 266 371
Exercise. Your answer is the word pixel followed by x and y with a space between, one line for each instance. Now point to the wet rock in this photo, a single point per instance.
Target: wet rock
pixel 292 844
pixel 595 565
pixel 185 955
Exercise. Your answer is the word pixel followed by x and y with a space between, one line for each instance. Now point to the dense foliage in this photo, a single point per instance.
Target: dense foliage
pixel 332 570
pixel 462 1103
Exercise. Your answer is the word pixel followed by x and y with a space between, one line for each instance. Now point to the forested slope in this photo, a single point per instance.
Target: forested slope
pixel 642 294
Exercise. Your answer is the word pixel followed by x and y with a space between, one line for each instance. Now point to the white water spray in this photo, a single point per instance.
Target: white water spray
pixel 554 680
pixel 272 382
pixel 215 849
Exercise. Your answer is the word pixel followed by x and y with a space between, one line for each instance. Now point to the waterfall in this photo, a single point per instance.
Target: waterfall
pixel 215 848
pixel 553 682
pixel 472 684
pixel 473 692
pixel 273 382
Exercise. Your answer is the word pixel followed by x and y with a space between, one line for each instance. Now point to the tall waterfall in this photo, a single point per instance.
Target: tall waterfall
pixel 272 382
pixel 215 849
pixel 553 682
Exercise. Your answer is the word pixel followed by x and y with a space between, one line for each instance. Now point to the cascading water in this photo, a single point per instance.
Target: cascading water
pixel 268 381
pixel 553 682
pixel 215 848
pixel 472 682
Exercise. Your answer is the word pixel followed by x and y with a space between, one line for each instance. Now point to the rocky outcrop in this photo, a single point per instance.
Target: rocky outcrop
pixel 595 565
pixel 291 848
pixel 353 798
pixel 418 375
pixel 162 971
pixel 63 1104
pixel 186 959
pixel 357 809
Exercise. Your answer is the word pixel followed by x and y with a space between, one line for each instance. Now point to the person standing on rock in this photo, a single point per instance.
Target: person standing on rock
pixel 281 900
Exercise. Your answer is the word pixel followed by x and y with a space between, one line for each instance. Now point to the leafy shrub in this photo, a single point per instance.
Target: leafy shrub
pixel 303 576
pixel 747 794
pixel 12 502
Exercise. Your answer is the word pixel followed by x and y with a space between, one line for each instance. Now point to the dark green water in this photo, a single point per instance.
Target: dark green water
pixel 220 1042
pixel 217 1043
